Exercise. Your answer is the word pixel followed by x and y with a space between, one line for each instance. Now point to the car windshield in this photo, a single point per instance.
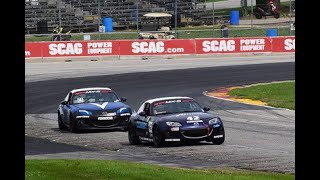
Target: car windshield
pixel 94 96
pixel 175 106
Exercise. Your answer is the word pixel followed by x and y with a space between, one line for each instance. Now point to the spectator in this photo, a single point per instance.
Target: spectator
pixel 59 36
pixel 224 31
pixel 273 7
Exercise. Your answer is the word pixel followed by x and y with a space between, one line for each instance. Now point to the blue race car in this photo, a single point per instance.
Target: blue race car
pixel 93 108
pixel 172 119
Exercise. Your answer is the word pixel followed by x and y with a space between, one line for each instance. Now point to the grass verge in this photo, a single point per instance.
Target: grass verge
pixel 99 169
pixel 182 34
pixel 281 95
pixel 207 1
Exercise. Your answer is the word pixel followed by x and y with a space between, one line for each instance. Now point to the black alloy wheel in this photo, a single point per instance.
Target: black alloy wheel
pixel 73 125
pixel 61 125
pixel 158 139
pixel 132 136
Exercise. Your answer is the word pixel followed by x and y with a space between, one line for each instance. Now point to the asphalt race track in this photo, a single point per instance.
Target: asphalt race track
pixel 257 138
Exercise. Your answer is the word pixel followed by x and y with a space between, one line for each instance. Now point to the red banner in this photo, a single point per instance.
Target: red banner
pixel 72 48
pixel 157 47
pixel 33 49
pixel 283 44
pixel 233 45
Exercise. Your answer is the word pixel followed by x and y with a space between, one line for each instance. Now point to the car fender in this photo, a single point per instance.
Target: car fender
pixel 159 124
pixel 60 111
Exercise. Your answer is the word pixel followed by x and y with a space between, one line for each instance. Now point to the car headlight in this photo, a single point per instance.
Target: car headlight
pixel 173 124
pixel 124 111
pixel 215 120
pixel 84 112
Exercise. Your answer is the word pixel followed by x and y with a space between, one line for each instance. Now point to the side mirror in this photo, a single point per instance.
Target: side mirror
pixel 142 113
pixel 123 99
pixel 206 109
pixel 64 102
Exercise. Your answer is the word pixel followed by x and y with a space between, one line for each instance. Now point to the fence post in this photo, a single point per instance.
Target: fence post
pixel 290 12
pixel 99 14
pixel 251 18
pixel 176 19
pixel 59 17
pixel 212 19
pixel 137 19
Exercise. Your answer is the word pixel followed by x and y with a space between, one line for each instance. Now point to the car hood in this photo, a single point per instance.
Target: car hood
pixel 110 106
pixel 184 117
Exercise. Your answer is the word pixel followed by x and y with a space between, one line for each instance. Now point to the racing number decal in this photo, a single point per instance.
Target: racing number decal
pixel 141 125
pixel 150 123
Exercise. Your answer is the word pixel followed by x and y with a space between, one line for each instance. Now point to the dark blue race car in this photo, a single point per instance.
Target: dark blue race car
pixel 93 108
pixel 173 119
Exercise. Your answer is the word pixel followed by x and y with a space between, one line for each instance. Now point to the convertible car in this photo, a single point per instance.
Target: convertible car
pixel 172 119
pixel 93 108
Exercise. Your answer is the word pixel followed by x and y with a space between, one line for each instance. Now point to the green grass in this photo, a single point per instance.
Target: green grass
pixel 77 37
pixel 280 95
pixel 99 169
pixel 206 32
pixel 213 0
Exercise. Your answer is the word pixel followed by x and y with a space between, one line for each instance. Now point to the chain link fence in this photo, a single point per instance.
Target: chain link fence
pixel 194 19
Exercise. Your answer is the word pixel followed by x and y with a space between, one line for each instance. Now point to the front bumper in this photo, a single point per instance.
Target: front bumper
pixel 93 122
pixel 204 133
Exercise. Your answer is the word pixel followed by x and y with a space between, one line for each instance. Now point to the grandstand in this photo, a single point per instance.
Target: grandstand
pixel 85 15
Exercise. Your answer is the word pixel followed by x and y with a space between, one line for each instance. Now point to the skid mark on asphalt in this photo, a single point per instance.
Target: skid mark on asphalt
pixel 257 148
pixel 289 116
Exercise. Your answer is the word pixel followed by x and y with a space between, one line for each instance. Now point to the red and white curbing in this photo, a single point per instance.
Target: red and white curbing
pixel 226 99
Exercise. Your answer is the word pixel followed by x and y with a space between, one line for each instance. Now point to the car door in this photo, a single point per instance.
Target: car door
pixel 142 121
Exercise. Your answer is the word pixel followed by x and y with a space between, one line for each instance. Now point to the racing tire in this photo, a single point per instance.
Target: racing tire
pixel 218 141
pixel 60 123
pixel 158 139
pixel 132 136
pixel 276 15
pixel 258 16
pixel 73 125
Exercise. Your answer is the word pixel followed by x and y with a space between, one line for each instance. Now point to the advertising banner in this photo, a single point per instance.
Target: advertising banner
pixel 75 48
pixel 33 49
pixel 157 47
pixel 233 45
pixel 283 44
